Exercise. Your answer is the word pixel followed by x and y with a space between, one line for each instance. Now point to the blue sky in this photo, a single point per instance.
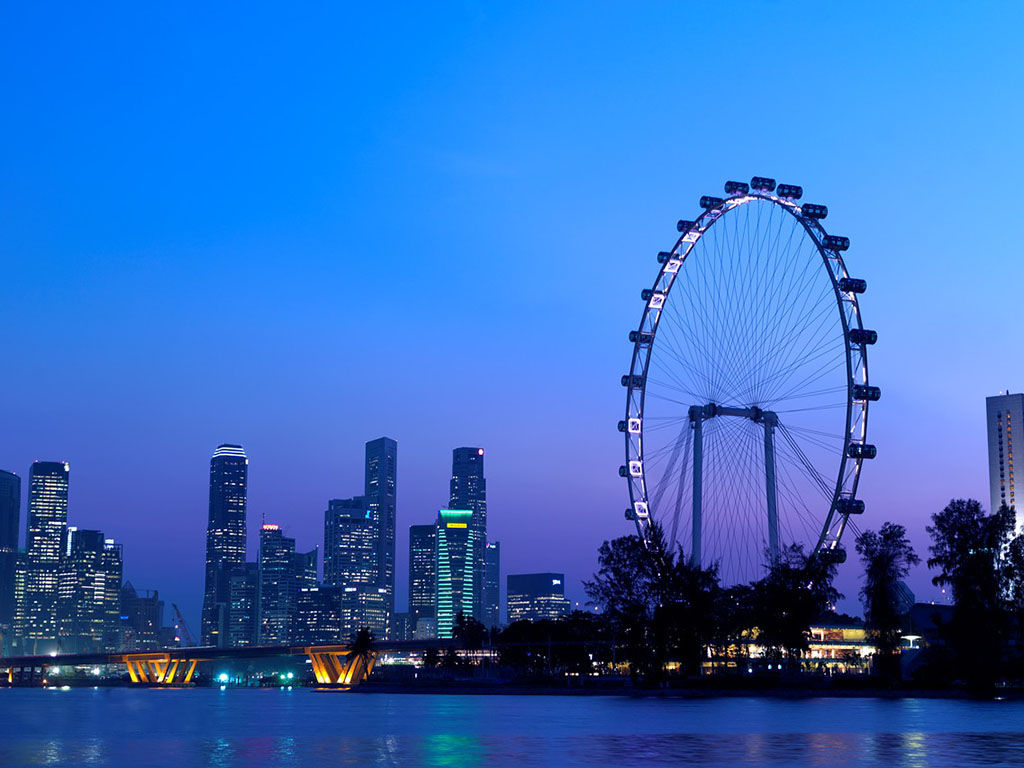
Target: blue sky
pixel 303 227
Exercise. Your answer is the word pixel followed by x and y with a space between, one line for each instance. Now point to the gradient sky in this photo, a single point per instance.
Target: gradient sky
pixel 303 227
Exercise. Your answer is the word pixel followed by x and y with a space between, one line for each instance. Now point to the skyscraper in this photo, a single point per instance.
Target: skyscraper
pixel 277 585
pixel 244 610
pixel 142 617
pixel 36 614
pixel 422 573
pixel 455 544
pixel 492 585
pixel 536 596
pixel 10 512
pixel 380 493
pixel 350 543
pixel 469 491
pixel 225 538
pixel 89 593
pixel 1005 420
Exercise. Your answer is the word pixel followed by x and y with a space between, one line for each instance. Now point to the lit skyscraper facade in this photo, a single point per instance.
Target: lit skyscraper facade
pixel 36 612
pixel 89 593
pixel 455 537
pixel 225 538
pixel 244 611
pixel 536 596
pixel 491 616
pixel 1005 420
pixel 469 491
pixel 422 573
pixel 350 543
pixel 10 512
pixel 380 492
pixel 277 585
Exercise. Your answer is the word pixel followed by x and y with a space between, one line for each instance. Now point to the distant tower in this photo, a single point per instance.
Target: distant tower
pixel 277 585
pixel 380 493
pixel 225 538
pixel 469 491
pixel 10 512
pixel 1005 421
pixel 36 616
pixel 492 585
pixel 455 544
pixel 422 575
pixel 350 543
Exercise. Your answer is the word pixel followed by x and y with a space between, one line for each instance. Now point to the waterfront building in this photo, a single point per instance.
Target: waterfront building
pixel 1004 416
pixel 422 573
pixel 536 596
pixel 225 538
pixel 36 610
pixel 455 544
pixel 364 606
pixel 350 543
pixel 468 490
pixel 380 492
pixel 318 615
pixel 244 609
pixel 492 585
pixel 10 514
pixel 142 619
pixel 89 593
pixel 277 585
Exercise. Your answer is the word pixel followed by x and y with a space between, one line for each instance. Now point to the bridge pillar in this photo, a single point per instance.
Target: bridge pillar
pixel 337 665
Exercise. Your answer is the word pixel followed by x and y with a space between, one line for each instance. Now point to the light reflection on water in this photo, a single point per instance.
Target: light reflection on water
pixel 298 728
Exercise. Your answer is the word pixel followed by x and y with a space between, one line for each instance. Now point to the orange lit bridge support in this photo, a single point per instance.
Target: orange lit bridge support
pixel 339 664
pixel 159 668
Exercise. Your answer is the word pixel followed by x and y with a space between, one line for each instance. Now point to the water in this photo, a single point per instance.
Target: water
pixel 270 727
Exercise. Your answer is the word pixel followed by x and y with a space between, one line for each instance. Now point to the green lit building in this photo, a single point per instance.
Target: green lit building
pixel 455 541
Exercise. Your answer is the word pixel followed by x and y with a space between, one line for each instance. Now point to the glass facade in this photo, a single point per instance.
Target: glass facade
pixel 455 541
pixel 468 490
pixel 422 573
pixel 225 538
pixel 380 491
pixel 10 511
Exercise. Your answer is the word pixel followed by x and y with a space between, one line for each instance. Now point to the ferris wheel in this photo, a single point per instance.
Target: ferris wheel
pixel 747 394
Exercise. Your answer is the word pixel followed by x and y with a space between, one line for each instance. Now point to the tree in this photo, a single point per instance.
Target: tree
pixel 967 547
pixel 796 591
pixel 363 647
pixel 887 556
pixel 431 658
pixel 470 632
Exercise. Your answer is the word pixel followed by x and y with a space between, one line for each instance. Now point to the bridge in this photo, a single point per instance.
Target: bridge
pixel 336 665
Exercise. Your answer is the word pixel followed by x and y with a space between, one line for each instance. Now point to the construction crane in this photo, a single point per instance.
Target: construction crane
pixel 182 628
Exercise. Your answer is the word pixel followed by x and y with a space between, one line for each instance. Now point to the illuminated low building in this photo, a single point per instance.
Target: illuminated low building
pixel 536 596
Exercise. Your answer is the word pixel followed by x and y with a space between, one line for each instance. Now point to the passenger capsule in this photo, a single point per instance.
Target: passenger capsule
pixel 864 392
pixel 862 336
pixel 664 256
pixel 622 425
pixel 850 507
pixel 791 191
pixel 630 514
pixel 736 188
pixel 707 202
pixel 814 211
pixel 634 380
pixel 623 471
pixel 641 336
pixel 683 225
pixel 861 451
pixel 646 294
pixel 837 555
pixel 762 184
pixel 852 285
pixel 837 242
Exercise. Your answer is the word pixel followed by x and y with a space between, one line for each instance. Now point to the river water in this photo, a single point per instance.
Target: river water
pixel 300 727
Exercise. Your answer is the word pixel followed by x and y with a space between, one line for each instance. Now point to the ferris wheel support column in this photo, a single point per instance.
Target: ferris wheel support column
pixel 697 421
pixel 770 421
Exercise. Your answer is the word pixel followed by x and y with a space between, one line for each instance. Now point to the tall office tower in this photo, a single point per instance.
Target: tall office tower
pixel 318 616
pixel 536 596
pixel 380 492
pixel 89 593
pixel 350 543
pixel 304 568
pixel 455 538
pixel 36 612
pixel 10 511
pixel 1005 418
pixel 277 585
pixel 422 578
pixel 492 585
pixel 243 614
pixel 469 491
pixel 142 618
pixel 225 538
pixel 364 606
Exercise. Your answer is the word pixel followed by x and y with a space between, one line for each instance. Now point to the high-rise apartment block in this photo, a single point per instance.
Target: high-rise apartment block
pixel 380 492
pixel 468 490
pixel 225 538
pixel 536 596
pixel 10 512
pixel 39 576
pixel 455 537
